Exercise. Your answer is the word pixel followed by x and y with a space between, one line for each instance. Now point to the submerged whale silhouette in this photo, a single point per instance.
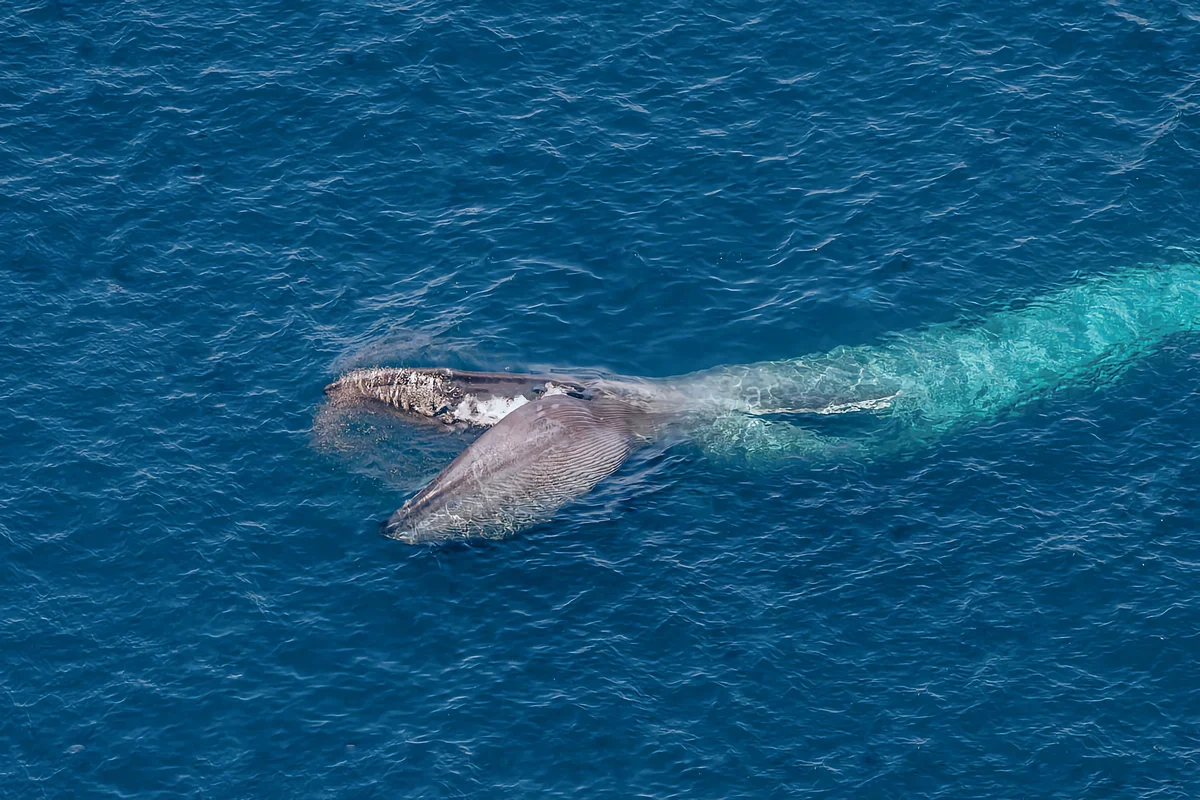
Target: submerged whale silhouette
pixel 551 438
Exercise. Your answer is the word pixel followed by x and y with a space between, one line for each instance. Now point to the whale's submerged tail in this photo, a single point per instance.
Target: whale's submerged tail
pixel 935 380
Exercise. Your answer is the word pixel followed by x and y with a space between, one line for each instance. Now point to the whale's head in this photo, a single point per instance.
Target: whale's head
pixel 449 396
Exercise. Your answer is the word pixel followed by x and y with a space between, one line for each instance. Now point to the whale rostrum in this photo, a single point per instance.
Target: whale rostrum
pixel 550 438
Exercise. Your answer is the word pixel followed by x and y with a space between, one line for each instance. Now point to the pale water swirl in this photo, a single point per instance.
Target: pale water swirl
pixel 924 384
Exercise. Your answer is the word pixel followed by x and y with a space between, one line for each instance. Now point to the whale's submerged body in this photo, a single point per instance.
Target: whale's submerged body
pixel 551 438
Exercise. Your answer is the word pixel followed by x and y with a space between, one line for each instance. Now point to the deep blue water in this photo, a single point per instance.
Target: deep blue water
pixel 210 209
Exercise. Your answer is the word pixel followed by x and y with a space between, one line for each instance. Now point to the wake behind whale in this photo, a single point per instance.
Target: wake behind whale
pixel 551 438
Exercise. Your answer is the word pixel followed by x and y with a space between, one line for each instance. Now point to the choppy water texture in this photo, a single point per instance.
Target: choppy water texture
pixel 210 209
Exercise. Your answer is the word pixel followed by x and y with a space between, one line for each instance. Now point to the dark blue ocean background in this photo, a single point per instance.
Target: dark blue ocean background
pixel 208 210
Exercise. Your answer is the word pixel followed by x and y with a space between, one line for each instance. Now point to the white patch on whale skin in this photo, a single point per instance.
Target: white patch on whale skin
pixel 487 412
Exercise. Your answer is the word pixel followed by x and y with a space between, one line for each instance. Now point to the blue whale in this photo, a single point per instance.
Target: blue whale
pixel 550 438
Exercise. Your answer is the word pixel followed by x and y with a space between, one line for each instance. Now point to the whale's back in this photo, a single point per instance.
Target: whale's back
pixel 520 470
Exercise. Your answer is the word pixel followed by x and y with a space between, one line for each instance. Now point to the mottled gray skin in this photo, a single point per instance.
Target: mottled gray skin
pixel 436 393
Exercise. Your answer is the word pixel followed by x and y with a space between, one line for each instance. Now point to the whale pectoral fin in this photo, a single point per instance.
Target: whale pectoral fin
pixel 519 471
pixel 833 407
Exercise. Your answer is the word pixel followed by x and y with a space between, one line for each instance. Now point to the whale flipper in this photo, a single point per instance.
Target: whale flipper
pixel 520 470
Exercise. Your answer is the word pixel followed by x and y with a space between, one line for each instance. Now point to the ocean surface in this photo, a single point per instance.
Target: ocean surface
pixel 209 210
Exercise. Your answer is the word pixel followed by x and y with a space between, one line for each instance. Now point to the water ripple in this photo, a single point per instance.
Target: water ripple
pixel 211 208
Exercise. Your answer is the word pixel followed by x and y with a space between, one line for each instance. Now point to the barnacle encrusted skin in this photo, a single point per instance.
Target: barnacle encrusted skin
pixel 427 392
